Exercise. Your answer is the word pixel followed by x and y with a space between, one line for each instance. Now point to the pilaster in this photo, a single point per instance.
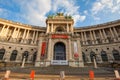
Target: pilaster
pixel 81 64
pixel 37 63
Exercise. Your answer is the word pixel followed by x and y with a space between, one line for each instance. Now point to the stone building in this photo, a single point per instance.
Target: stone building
pixel 59 43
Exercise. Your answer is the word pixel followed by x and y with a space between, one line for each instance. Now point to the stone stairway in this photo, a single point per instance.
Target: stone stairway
pixel 55 70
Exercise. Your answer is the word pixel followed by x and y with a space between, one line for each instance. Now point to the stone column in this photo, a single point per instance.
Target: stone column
pixel 48 28
pixel 26 38
pixel 36 37
pixel 22 41
pixel 112 34
pixel 33 37
pixel 17 32
pixel 101 36
pixel 37 63
pixel 91 37
pixel 27 34
pixel 70 52
pixel 2 30
pixel 105 35
pixel 67 27
pixel 12 39
pixel 71 28
pixel 96 42
pixel 116 33
pixel 49 49
pixel 49 52
pixel 13 34
pixel 52 27
pixel 85 38
pixel 81 64
pixel 6 32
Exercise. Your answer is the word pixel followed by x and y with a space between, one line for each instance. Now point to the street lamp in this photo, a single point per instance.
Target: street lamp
pixel 23 62
pixel 95 64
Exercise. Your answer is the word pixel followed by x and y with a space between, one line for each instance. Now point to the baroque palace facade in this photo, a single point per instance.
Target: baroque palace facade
pixel 59 43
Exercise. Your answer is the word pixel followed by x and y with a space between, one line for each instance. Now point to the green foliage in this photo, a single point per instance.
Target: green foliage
pixel 68 17
pixel 50 17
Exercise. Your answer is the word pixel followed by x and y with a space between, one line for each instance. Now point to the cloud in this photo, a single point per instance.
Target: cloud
pixel 68 7
pixel 109 6
pixel 104 11
pixel 34 11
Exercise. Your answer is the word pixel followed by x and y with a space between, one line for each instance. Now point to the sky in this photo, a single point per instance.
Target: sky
pixel 84 12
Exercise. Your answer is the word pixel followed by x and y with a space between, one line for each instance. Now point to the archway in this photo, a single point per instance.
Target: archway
pixel 34 56
pixel 59 29
pixel 25 54
pixel 116 55
pixel 92 54
pixel 2 52
pixel 13 55
pixel 59 51
pixel 83 56
pixel 104 56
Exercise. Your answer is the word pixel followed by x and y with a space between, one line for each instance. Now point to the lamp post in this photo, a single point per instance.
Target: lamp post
pixel 23 62
pixel 95 64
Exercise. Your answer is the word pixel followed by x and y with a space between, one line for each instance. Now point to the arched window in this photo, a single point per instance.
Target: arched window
pixel 34 56
pixel 2 52
pixel 92 54
pixel 13 55
pixel 25 54
pixel 59 29
pixel 116 55
pixel 59 51
pixel 104 56
pixel 83 56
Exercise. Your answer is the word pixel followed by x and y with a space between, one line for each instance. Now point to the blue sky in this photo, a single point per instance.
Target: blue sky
pixel 84 12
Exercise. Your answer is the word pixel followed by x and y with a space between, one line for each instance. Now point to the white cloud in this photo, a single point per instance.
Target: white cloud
pixel 68 7
pixel 106 6
pixel 78 17
pixel 34 11
pixel 85 12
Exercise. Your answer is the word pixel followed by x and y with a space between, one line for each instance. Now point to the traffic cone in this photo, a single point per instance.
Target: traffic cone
pixel 32 75
pixel 91 75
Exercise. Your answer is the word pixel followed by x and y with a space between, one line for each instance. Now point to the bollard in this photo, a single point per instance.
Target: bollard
pixel 62 75
pixel 91 75
pixel 32 75
pixel 117 75
pixel 6 77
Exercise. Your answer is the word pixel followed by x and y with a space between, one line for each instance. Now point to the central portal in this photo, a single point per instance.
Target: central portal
pixel 59 51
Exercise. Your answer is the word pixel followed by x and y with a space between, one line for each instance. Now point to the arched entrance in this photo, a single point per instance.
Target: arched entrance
pixel 59 51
